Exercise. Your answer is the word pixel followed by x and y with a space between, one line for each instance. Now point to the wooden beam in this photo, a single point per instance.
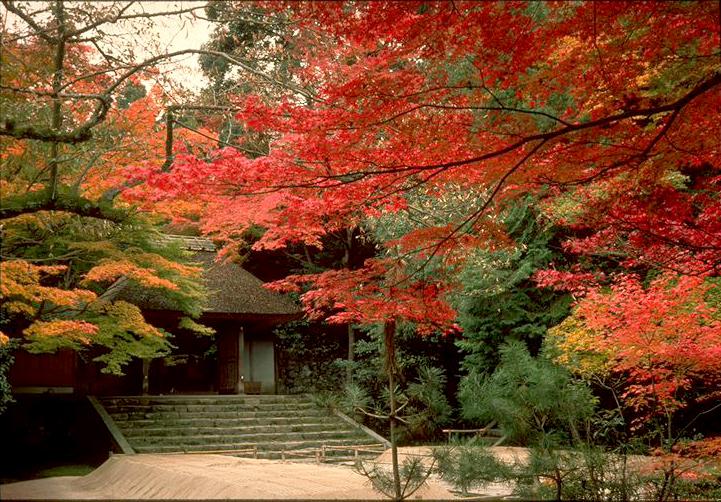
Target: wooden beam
pixel 371 433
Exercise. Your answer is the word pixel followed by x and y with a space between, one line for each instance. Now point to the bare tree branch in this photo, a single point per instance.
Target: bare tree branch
pixel 103 20
pixel 269 78
pixel 84 132
pixel 38 30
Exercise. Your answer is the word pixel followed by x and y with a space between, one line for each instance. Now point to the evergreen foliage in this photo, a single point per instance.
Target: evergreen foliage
pixel 585 473
pixel 540 405
pixel 468 466
pixel 354 400
pixel 421 367
pixel 428 408
pixel 412 473
pixel 500 301
pixel 531 398
pixel 306 357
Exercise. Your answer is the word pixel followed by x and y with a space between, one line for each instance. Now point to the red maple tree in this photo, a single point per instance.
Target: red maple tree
pixel 607 108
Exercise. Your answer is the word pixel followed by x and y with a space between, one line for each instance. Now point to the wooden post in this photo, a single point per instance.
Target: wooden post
pixel 239 386
pixel 146 373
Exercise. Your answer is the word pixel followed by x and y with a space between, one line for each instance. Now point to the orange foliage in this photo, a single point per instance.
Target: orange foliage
pixel 156 262
pixel 664 339
pixel 112 270
pixel 80 331
pixel 22 292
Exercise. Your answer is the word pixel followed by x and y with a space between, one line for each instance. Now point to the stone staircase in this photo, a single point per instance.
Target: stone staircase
pixel 259 426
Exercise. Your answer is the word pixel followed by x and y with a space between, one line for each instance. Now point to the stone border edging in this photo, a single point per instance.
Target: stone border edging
pixel 371 433
pixel 112 427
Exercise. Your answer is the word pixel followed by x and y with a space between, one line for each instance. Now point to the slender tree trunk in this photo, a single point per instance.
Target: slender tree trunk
pixel 348 245
pixel 169 121
pixel 390 331
pixel 351 344
pixel 56 108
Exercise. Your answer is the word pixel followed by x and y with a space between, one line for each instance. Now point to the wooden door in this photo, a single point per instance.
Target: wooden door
pixel 228 363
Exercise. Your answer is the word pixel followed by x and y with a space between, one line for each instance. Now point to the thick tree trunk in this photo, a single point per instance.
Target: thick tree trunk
pixel 390 364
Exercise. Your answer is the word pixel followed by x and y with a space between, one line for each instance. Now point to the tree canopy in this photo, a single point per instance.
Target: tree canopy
pixel 419 125
pixel 76 115
pixel 504 167
pixel 605 110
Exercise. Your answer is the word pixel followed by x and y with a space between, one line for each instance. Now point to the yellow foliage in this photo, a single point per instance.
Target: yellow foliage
pixel 24 272
pixel 4 339
pixel 105 248
pixel 42 220
pixel 566 46
pixel 19 308
pixel 578 349
pixel 127 317
pixel 12 186
pixel 189 324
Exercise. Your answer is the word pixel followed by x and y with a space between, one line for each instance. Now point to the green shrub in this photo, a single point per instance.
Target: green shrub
pixel 6 361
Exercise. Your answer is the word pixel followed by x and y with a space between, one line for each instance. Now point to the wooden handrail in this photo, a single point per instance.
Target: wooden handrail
pixel 488 430
pixel 112 427
pixel 320 453
pixel 253 450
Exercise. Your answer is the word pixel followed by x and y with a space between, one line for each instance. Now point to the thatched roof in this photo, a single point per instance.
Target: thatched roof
pixel 233 291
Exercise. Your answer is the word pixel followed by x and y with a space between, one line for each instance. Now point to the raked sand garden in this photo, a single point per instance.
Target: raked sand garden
pixel 204 476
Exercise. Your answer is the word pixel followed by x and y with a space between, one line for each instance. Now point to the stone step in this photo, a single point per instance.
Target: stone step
pixel 205 400
pixel 133 432
pixel 165 415
pixel 194 408
pixel 260 426
pixel 249 446
pixel 254 438
pixel 228 422
pixel 208 406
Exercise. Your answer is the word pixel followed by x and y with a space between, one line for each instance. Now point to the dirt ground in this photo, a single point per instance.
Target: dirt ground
pixel 208 477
